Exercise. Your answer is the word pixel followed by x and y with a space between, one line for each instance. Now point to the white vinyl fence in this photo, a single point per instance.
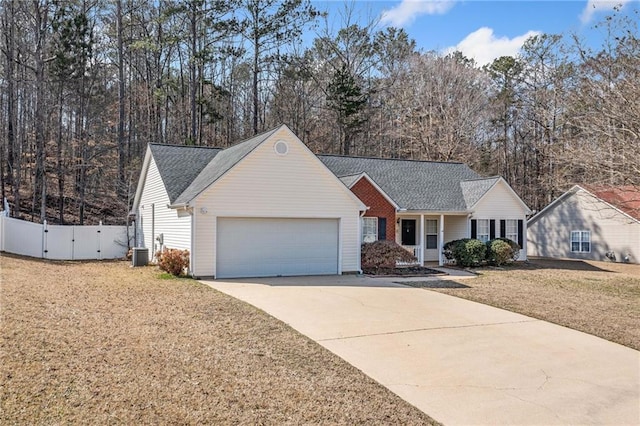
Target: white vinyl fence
pixel 63 242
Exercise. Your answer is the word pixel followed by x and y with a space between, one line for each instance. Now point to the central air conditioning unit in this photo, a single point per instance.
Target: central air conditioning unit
pixel 140 256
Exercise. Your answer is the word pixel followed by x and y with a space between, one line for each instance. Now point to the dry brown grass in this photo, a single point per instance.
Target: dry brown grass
pixel 100 342
pixel 600 298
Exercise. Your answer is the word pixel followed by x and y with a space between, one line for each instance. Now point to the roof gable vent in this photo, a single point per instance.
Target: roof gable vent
pixel 281 147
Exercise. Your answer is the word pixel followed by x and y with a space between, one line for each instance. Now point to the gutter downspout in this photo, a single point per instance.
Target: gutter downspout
pixel 192 257
pixel 153 231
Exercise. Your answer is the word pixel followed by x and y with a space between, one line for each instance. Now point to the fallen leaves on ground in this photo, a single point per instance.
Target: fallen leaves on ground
pixel 599 298
pixel 101 342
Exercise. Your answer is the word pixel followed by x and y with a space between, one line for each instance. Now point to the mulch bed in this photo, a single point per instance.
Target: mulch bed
pixel 403 271
pixel 433 284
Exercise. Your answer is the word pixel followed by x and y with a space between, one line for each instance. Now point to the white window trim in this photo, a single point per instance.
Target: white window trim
pixel 513 234
pixel 478 228
pixel 427 233
pixel 369 237
pixel 580 241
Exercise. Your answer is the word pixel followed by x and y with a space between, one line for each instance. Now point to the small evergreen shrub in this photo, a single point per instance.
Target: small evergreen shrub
pixel 466 252
pixel 499 252
pixel 173 261
pixel 471 252
pixel 514 246
pixel 447 249
pixel 383 254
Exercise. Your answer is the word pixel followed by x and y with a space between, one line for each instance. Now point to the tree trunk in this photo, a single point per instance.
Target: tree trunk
pixel 81 126
pixel 13 160
pixel 122 149
pixel 193 130
pixel 60 160
pixel 40 188
pixel 256 73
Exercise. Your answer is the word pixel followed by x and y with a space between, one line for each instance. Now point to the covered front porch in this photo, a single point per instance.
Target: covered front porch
pixel 425 233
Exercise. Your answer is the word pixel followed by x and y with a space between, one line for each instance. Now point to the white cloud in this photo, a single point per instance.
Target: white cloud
pixel 408 10
pixel 483 46
pixel 595 6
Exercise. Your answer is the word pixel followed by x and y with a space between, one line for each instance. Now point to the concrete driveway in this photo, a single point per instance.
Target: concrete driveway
pixel 461 362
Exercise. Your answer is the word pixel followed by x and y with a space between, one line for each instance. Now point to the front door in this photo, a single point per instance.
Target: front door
pixel 408 236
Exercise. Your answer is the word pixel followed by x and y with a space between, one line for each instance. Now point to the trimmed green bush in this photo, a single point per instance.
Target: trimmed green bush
pixel 383 254
pixel 499 252
pixel 447 249
pixel 514 246
pixel 471 252
pixel 466 252
pixel 173 261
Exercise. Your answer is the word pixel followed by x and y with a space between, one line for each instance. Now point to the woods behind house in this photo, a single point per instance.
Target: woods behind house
pixel 86 84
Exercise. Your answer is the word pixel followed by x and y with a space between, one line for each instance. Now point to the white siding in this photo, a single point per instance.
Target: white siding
pixel 173 224
pixel 265 184
pixel 455 228
pixel 500 203
pixel 549 236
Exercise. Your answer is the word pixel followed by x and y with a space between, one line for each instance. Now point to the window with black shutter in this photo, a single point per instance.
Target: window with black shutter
pixel 520 231
pixel 382 228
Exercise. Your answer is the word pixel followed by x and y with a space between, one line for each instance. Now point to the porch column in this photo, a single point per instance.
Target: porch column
pixel 441 241
pixel 421 258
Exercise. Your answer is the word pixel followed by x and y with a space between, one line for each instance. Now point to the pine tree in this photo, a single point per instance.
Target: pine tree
pixel 346 98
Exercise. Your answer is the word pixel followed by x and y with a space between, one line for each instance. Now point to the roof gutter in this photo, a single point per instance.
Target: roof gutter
pixel 178 206
pixel 437 212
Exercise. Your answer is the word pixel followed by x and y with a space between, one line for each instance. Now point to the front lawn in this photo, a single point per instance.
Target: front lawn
pixel 104 343
pixel 600 298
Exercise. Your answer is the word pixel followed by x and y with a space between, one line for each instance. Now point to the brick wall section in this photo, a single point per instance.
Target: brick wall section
pixel 378 205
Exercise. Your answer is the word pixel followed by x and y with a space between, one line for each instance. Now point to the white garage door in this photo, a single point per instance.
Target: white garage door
pixel 264 247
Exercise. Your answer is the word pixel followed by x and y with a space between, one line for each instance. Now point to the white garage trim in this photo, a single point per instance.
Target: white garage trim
pixel 258 247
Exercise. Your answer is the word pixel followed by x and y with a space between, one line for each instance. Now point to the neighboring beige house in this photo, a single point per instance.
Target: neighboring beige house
pixel 589 222
pixel 268 206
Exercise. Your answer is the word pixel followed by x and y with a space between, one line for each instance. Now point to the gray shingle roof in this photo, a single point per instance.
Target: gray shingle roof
pixel 413 185
pixel 219 165
pixel 179 165
pixel 473 190
pixel 350 180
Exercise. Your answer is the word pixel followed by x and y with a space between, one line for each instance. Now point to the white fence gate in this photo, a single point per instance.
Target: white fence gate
pixel 63 242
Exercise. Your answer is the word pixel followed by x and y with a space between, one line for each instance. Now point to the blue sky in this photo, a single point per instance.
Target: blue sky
pixel 481 29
